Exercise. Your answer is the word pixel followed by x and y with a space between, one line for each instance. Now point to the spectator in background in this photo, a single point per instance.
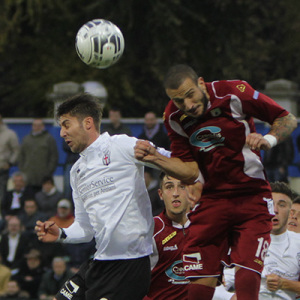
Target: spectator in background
pixel 116 126
pixel 14 292
pixel 38 155
pixel 9 151
pixel 4 277
pixel 294 217
pixel 13 203
pixel 53 279
pixel 13 244
pixel 48 197
pixel 152 185
pixel 277 160
pixel 29 216
pixel 30 273
pixel 64 216
pixel 154 132
pixel 70 160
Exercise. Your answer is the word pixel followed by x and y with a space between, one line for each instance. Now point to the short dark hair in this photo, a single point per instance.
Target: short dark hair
pixel 296 199
pixel 48 179
pixel 30 199
pixel 282 188
pixel 177 74
pixel 81 106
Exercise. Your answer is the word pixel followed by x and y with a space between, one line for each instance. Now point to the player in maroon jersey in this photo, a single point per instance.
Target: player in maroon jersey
pixel 168 280
pixel 211 129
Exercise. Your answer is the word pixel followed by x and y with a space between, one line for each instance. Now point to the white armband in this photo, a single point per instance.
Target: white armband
pixel 271 139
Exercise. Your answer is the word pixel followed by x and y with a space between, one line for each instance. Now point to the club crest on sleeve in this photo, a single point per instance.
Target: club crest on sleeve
pixel 241 87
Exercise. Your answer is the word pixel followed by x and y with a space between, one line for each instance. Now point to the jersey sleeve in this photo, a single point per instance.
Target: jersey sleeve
pixel 256 104
pixel 81 230
pixel 180 146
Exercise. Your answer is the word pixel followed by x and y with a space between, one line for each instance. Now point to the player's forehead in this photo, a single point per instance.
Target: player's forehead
pixel 171 180
pixel 66 119
pixel 188 85
pixel 280 197
pixel 296 205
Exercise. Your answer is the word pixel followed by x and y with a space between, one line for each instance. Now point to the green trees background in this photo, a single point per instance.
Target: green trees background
pixel 252 40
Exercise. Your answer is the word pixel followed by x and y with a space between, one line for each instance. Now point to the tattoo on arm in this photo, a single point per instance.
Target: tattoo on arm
pixel 283 127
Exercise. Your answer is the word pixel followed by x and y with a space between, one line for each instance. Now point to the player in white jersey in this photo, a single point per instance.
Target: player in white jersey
pixel 282 263
pixel 280 276
pixel 111 204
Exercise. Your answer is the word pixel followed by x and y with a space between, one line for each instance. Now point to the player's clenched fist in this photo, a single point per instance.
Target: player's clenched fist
pixel 274 282
pixel 143 149
pixel 257 142
pixel 47 231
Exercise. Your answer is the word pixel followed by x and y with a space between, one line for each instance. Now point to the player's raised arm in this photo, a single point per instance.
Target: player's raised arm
pixel 186 171
pixel 281 128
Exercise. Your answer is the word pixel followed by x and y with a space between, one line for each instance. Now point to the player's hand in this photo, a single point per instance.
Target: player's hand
pixel 274 282
pixel 144 151
pixel 47 231
pixel 257 142
pixel 194 193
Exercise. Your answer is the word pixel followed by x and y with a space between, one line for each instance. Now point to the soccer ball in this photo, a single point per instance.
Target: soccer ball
pixel 99 43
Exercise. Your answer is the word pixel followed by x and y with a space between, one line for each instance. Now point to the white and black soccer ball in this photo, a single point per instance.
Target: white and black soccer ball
pixel 99 43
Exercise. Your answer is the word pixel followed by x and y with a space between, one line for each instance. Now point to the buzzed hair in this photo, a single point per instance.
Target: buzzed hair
pixel 177 74
pixel 282 188
pixel 82 105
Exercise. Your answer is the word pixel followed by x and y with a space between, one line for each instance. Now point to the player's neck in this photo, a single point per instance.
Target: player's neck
pixel 179 219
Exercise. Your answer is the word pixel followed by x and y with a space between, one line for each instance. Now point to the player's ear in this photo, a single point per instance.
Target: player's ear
pixel 88 123
pixel 201 83
pixel 160 194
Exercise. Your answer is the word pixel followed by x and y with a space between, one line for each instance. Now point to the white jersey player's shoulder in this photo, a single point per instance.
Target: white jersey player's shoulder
pixel 123 140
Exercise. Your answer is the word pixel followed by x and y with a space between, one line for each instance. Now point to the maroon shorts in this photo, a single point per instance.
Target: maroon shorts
pixel 232 231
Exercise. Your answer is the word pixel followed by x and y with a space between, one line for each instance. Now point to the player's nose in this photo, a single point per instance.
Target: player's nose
pixel 62 132
pixel 188 103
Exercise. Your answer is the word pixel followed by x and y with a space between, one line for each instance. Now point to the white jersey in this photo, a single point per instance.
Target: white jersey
pixel 111 200
pixel 283 259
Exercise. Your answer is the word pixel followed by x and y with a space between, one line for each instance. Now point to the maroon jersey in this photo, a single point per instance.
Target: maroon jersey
pixel 167 277
pixel 217 139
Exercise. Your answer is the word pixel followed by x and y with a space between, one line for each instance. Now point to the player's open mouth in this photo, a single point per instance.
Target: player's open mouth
pixel 292 224
pixel 275 221
pixel 176 203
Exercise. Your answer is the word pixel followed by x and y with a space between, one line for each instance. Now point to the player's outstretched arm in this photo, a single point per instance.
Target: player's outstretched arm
pixel 47 231
pixel 280 130
pixel 186 171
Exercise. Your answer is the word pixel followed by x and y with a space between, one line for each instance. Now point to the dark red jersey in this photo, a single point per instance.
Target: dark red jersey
pixel 217 139
pixel 167 277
